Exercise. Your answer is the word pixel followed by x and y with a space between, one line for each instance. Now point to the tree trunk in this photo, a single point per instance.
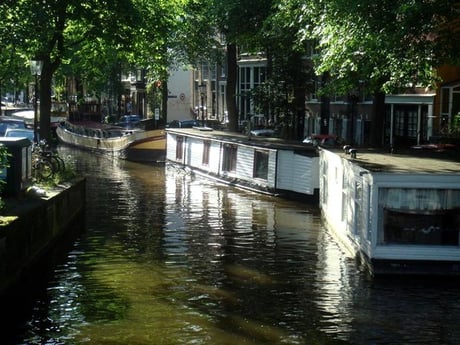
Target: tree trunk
pixel 230 95
pixel 164 102
pixel 325 109
pixel 45 100
pixel 378 122
pixel 299 106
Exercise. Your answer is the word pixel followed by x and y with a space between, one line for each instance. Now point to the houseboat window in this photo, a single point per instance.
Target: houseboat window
pixel 420 216
pixel 358 190
pixel 261 164
pixel 179 148
pixel 206 150
pixel 344 195
pixel 324 186
pixel 229 157
pixel 417 227
pixel 359 214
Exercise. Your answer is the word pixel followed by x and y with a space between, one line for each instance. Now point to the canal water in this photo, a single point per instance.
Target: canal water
pixel 167 257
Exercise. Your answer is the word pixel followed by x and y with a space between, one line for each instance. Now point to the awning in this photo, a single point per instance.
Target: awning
pixel 410 98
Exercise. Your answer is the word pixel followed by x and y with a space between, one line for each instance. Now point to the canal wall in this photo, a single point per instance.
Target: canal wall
pixel 33 224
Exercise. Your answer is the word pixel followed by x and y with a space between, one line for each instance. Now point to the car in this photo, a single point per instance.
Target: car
pixel 264 132
pixel 184 124
pixel 129 121
pixel 324 140
pixel 10 122
pixel 20 133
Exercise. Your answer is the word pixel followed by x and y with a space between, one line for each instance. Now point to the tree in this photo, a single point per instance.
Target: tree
pixel 55 31
pixel 241 22
pixel 238 23
pixel 93 41
pixel 157 45
pixel 289 72
pixel 12 63
pixel 388 44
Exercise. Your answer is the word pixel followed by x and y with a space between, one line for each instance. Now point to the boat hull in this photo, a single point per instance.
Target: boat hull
pixel 140 146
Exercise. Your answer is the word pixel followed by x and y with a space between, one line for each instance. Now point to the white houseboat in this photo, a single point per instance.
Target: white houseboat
pixel 267 165
pixel 399 214
pixel 134 144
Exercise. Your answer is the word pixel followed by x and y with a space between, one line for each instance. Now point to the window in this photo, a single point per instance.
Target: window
pixel 205 70
pixel 314 94
pixel 229 158
pixel 445 96
pixel 324 186
pixel 249 78
pixel 179 148
pixel 420 216
pixel 261 164
pixel 450 103
pixel 359 214
pixel 345 198
pixel 206 149
pixel 245 89
pixel 427 227
pixel 311 49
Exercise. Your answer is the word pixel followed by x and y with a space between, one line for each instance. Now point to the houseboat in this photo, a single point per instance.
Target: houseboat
pixel 396 213
pixel 132 144
pixel 265 165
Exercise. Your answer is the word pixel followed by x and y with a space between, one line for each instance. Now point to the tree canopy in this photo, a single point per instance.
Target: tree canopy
pixel 390 44
pixel 89 39
pixel 387 44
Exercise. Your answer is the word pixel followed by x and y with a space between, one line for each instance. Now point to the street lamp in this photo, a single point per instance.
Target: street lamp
pixel 36 70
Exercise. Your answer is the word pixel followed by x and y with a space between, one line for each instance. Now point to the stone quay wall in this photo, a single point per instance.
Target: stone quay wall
pixel 37 224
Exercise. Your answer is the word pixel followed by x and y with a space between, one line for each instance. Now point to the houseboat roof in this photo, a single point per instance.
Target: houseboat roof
pixel 409 161
pixel 244 139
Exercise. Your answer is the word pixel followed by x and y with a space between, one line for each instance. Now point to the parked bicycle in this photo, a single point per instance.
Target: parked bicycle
pixel 45 161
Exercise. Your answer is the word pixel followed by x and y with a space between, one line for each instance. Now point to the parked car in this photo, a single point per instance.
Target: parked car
pixel 264 132
pixel 10 122
pixel 184 124
pixel 20 133
pixel 129 121
pixel 324 140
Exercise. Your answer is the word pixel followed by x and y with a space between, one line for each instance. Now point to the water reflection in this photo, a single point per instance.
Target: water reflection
pixel 171 258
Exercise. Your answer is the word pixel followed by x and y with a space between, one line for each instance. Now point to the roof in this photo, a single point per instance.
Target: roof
pixel 242 139
pixel 409 161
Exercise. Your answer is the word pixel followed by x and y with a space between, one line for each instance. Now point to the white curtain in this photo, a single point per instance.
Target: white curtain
pixel 419 199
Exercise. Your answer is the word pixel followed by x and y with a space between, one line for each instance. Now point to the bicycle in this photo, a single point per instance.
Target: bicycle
pixel 42 169
pixel 45 162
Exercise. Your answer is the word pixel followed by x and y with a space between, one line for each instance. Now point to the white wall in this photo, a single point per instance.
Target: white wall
pixel 245 166
pixel 171 143
pixel 297 173
pixel 331 175
pixel 179 95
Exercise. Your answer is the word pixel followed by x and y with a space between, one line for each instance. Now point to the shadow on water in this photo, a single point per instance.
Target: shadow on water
pixel 18 302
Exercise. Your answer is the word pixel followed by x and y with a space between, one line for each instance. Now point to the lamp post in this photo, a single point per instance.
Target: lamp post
pixel 36 70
